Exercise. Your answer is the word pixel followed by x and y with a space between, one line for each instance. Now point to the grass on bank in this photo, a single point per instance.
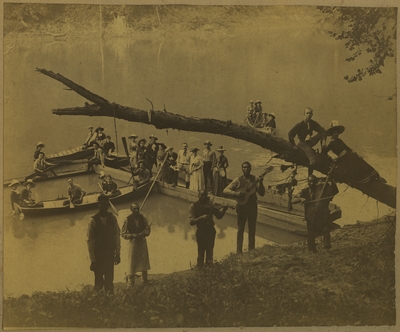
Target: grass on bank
pixel 353 284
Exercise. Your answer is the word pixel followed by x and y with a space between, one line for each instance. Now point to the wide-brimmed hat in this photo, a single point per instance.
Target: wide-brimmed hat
pixel 99 128
pixel 170 148
pixel 162 145
pixel 40 144
pixel 272 114
pixel 133 136
pixel 13 182
pixel 258 102
pixel 153 137
pixel 334 126
pixel 90 127
pixel 221 148
pixel 30 181
pixel 194 149
pixel 207 143
pixel 250 101
pixel 102 174
pixel 142 140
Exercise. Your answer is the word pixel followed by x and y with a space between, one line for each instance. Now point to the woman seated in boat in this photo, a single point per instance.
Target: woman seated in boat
pixel 358 169
pixel 75 192
pixel 110 188
pixel 220 181
pixel 100 137
pixel 109 147
pixel 39 166
pixel 98 157
pixel 26 199
pixel 142 173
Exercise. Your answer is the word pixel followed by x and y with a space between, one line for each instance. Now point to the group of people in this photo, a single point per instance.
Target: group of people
pixel 24 197
pixel 258 119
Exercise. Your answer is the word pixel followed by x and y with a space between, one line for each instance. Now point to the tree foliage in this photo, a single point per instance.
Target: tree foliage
pixel 365 30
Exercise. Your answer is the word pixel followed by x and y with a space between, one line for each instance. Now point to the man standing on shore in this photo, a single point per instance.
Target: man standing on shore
pixel 246 208
pixel 304 130
pixel 316 199
pixel 201 214
pixel 104 245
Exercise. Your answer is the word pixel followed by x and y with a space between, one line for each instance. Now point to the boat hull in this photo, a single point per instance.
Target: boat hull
pixel 73 154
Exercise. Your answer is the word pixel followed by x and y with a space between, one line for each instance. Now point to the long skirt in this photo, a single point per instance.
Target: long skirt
pixel 361 171
pixel 197 180
pixel 219 184
pixel 138 256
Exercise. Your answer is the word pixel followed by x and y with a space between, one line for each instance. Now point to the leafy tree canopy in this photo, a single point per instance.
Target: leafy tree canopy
pixel 365 29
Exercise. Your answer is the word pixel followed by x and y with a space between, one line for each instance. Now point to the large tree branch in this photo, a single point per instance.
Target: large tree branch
pixel 163 120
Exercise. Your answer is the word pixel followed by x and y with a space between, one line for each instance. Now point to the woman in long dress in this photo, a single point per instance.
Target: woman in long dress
pixel 196 171
pixel 135 230
pixel 133 150
pixel 220 173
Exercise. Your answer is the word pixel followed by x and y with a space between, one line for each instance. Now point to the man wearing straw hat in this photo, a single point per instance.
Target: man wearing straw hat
pixel 39 165
pixel 39 147
pixel 209 162
pixel 104 245
pixel 14 195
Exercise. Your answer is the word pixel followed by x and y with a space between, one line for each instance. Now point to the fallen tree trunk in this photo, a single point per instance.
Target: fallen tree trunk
pixel 166 120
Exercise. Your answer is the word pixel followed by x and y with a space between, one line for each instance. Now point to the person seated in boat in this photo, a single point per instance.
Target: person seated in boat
pixel 91 137
pixel 358 169
pixel 142 173
pixel 75 192
pixel 108 147
pixel 110 188
pixel 141 149
pixel 250 111
pixel 14 195
pixel 39 148
pixel 304 131
pixel 98 157
pixel 40 166
pixel 257 115
pixel 269 123
pixel 101 136
pixel 132 148
pixel 26 199
pixel 102 177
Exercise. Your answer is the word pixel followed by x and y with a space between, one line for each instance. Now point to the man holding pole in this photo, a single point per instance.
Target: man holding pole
pixel 316 199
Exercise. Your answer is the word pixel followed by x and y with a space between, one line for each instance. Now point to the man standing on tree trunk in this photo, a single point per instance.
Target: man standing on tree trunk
pixel 304 130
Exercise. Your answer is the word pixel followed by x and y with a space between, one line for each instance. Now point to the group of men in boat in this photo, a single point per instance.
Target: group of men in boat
pixel 256 118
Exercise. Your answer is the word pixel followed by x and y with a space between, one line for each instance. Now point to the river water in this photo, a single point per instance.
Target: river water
pixel 287 62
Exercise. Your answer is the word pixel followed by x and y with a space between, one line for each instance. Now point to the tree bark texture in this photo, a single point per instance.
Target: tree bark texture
pixel 166 120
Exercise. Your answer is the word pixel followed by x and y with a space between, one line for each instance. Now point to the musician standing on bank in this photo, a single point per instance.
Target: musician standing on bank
pixel 246 209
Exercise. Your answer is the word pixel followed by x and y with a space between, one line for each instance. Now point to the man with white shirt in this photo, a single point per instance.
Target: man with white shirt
pixel 183 163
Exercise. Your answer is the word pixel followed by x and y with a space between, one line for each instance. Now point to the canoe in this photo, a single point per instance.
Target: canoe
pixel 61 205
pixel 73 154
pixel 58 172
pixel 270 211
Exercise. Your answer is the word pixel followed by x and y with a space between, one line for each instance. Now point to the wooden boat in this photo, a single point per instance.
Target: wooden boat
pixel 73 154
pixel 272 210
pixel 61 205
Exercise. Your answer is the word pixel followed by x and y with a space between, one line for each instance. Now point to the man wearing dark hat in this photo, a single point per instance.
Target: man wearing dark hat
pixel 151 152
pixel 210 161
pixel 270 124
pixel 201 214
pixel 304 130
pixel 104 245
pixel 316 200
pixel 39 166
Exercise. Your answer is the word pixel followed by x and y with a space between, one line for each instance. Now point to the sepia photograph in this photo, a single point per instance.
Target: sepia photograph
pixel 181 165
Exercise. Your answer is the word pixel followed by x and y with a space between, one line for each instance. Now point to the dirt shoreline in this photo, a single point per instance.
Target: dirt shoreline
pixel 275 285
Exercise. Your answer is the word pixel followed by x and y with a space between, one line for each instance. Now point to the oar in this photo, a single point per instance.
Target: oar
pixel 21 214
pixel 115 211
pixel 127 154
pixel 154 181
pixel 71 205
